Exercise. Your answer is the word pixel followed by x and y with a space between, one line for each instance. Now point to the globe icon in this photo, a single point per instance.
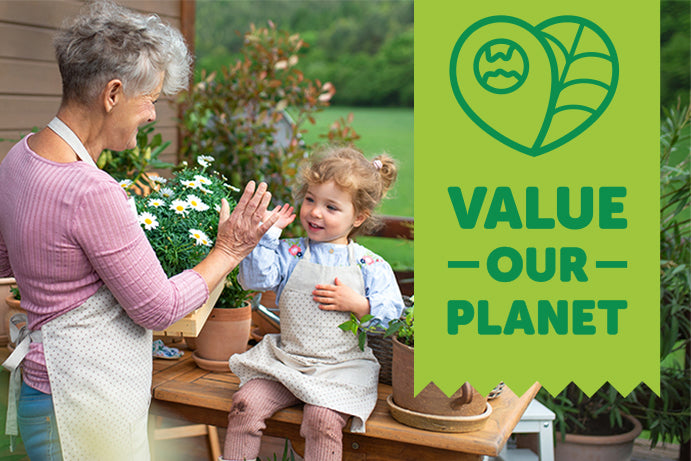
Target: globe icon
pixel 501 66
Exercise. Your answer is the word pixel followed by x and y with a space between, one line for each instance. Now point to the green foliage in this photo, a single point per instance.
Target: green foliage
pixel 240 114
pixel 360 328
pixel 364 48
pixel 15 293
pixel 233 294
pixel 180 218
pixel 667 416
pixel 136 164
pixel 288 454
pixel 404 327
pixel 675 28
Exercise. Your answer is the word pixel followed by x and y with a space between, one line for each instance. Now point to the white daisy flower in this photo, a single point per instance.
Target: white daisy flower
pixel 203 180
pixel 190 184
pixel 233 188
pixel 125 183
pixel 195 203
pixel 205 160
pixel 217 208
pixel 179 206
pixel 167 192
pixel 199 237
pixel 158 179
pixel 155 202
pixel 148 220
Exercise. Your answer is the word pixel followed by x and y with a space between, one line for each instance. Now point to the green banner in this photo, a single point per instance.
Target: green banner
pixel 537 194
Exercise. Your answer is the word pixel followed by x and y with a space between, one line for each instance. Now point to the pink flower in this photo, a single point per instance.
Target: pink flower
pixel 367 260
pixel 294 250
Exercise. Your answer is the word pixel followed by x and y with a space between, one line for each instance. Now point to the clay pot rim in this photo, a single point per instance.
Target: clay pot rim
pixel 12 301
pixel 614 439
pixel 397 341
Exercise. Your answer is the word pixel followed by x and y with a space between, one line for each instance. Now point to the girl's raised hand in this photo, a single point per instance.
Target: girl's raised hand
pixel 285 216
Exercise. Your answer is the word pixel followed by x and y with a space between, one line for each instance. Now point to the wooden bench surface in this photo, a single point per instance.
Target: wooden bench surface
pixel 182 390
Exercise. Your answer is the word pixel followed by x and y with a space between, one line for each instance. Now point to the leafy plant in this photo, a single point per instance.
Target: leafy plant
pixel 233 294
pixel 668 416
pixel 360 327
pixel 180 217
pixel 368 324
pixel 137 163
pixel 288 454
pixel 15 293
pixel 404 327
pixel 250 115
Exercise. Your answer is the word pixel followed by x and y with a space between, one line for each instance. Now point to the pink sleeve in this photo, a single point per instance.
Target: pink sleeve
pixel 106 228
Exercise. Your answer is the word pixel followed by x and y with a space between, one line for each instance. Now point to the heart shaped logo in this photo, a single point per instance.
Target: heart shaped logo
pixel 534 88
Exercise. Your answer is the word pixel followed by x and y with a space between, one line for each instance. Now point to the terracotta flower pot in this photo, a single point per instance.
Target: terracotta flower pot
pixel 617 447
pixel 225 333
pixel 431 400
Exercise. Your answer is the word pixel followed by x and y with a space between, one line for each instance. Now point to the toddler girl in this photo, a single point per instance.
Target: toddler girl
pixel 319 280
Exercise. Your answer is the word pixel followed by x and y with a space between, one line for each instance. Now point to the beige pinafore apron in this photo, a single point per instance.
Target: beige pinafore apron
pixel 99 366
pixel 317 361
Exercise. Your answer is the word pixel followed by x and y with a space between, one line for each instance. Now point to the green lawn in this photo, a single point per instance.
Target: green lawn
pixel 387 130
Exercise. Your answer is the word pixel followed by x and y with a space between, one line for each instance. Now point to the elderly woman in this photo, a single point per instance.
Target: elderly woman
pixel 90 281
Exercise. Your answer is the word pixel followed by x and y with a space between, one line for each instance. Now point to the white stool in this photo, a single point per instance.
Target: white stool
pixel 537 419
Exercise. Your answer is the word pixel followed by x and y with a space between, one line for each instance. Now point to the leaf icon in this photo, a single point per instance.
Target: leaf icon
pixel 534 88
pixel 585 82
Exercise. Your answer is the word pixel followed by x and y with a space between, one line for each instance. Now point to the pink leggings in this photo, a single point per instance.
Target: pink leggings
pixel 257 400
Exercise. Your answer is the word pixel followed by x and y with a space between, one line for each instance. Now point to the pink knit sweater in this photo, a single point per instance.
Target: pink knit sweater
pixel 65 230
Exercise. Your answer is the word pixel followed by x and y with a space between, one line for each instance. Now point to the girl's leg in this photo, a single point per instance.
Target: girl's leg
pixel 37 427
pixel 322 429
pixel 257 400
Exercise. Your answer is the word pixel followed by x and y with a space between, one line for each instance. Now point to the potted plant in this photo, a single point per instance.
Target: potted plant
pixel 227 329
pixel 180 217
pixel 431 409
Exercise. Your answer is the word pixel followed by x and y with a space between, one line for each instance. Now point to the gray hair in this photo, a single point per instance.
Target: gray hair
pixel 107 42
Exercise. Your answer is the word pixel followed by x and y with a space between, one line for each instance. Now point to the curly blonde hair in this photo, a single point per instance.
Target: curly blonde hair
pixel 367 181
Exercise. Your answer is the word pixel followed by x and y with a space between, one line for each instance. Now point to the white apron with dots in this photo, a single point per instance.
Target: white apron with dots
pixel 317 361
pixel 99 366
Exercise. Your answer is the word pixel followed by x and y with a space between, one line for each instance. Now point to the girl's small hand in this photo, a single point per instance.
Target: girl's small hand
pixel 285 216
pixel 340 297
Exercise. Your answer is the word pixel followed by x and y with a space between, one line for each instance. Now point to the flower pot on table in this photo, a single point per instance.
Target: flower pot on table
pixel 225 333
pixel 466 410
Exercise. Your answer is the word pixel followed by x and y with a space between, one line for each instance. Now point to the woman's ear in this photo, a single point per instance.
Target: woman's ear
pixel 112 94
pixel 362 217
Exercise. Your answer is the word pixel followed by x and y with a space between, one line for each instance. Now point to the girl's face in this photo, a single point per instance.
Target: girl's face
pixel 327 213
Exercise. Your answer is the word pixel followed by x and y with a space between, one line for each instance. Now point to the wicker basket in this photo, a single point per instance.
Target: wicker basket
pixel 383 349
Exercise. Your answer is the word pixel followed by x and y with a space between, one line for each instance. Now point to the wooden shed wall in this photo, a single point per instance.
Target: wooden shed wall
pixel 30 86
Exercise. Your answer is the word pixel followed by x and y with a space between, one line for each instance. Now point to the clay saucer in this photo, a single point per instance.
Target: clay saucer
pixel 438 423
pixel 218 366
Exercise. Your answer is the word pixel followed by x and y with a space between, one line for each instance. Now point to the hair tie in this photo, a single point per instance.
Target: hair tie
pixel 377 164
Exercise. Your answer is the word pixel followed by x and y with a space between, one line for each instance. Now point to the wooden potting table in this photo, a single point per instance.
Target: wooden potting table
pixel 182 390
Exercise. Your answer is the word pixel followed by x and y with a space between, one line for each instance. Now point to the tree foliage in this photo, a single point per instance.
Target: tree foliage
pixel 364 48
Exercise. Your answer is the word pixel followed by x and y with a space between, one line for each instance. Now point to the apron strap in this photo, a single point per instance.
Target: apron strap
pixel 69 136
pixel 22 338
pixel 306 255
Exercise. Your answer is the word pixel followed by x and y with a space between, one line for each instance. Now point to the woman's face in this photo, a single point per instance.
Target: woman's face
pixel 327 213
pixel 132 112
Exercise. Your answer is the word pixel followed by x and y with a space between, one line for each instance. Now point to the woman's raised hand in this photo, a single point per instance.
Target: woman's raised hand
pixel 240 231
